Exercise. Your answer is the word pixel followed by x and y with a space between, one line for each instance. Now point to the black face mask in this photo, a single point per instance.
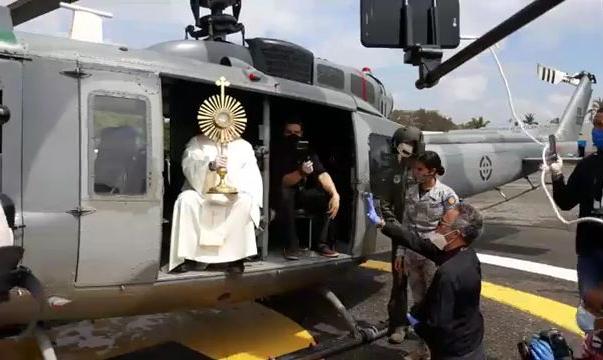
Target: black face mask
pixel 290 141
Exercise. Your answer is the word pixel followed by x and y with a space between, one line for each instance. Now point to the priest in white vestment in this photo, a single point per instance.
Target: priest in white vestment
pixel 216 228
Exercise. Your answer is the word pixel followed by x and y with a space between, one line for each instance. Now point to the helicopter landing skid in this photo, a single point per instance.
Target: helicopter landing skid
pixel 357 336
pixel 44 343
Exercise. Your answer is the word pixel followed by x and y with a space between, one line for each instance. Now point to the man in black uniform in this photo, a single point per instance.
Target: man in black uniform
pixel 585 187
pixel 407 142
pixel 449 318
pixel 301 184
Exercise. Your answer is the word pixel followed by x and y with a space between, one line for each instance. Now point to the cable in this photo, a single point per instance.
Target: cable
pixel 544 150
pixel 510 98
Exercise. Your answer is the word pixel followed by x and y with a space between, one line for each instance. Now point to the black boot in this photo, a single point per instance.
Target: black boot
pixel 187 265
pixel 236 267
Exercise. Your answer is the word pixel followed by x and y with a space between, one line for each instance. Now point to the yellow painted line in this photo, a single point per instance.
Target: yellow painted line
pixel 247 331
pixel 557 313
pixel 560 314
pixel 243 331
pixel 377 265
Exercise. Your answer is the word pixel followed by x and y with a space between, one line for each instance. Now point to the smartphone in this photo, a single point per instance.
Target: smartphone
pixel 302 149
pixel 552 148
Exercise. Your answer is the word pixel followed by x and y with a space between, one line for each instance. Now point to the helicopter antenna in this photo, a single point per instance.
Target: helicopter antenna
pixel 195 9
pixel 87 24
pixel 217 25
pixel 236 9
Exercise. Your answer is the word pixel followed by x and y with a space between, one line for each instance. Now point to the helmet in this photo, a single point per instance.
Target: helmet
pixel 409 135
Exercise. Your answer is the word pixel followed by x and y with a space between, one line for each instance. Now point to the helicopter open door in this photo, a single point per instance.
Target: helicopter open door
pixel 365 236
pixel 121 177
pixel 11 92
pixel 373 163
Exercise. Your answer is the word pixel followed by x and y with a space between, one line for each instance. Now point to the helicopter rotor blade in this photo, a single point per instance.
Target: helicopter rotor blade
pixel 25 10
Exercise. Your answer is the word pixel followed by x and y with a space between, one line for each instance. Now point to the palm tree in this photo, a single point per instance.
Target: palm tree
pixel 476 123
pixel 529 119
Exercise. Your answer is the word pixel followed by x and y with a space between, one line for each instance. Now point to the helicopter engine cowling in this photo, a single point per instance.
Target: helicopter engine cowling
pixel 206 51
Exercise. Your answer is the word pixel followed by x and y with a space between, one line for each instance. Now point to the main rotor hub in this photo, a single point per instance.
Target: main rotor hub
pixel 218 25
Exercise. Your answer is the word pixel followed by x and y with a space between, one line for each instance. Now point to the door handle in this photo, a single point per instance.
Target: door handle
pixel 80 211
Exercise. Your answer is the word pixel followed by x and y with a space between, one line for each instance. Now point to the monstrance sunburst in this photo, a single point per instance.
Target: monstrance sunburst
pixel 222 118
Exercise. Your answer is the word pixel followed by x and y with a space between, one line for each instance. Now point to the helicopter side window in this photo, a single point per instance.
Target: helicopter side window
pixel 370 93
pixel 119 145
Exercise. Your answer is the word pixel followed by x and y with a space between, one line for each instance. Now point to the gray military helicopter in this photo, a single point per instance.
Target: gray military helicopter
pixel 77 113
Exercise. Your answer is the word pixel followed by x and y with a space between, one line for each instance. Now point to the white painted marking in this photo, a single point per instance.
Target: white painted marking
pixel 529 266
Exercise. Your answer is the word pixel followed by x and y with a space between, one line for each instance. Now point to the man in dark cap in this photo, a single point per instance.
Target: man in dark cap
pixel 448 318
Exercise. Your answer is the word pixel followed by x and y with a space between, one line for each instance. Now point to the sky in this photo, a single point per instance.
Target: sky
pixel 569 38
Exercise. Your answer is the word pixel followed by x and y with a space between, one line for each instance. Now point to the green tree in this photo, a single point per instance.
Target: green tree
pixel 427 120
pixel 475 123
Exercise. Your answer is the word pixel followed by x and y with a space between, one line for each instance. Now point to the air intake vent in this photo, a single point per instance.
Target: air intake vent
pixel 282 59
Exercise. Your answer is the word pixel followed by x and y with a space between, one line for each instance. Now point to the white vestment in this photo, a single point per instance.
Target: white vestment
pixel 216 228
pixel 6 234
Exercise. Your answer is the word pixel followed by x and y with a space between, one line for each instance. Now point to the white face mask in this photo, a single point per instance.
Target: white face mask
pixel 404 150
pixel 585 320
pixel 438 240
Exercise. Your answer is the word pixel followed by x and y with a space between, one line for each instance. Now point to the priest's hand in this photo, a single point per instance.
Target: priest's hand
pixel 221 161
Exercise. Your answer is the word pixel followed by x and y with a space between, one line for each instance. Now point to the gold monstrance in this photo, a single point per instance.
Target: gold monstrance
pixel 222 119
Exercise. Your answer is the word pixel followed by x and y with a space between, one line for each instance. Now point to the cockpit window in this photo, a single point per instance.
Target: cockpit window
pixel 118 145
pixel 330 76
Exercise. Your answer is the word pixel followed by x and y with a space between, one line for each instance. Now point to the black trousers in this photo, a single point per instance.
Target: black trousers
pixel 314 202
pixel 398 300
pixel 477 354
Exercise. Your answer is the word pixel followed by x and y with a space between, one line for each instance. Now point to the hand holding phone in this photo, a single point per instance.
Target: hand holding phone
pixel 553 162
pixel 552 153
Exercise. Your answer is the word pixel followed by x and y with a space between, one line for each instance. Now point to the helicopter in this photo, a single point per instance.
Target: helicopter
pixel 99 250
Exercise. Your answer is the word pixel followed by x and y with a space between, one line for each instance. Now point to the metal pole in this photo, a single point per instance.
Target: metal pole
pixel 515 22
pixel 266 174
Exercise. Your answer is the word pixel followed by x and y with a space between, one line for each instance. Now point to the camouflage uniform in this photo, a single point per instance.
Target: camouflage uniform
pixel 422 215
pixel 392 208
